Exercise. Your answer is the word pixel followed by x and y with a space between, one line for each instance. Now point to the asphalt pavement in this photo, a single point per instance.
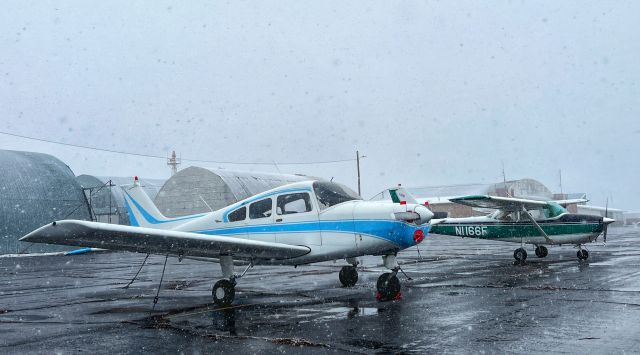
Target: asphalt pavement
pixel 463 296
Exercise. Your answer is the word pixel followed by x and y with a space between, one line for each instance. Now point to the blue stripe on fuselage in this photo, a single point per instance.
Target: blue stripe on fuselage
pixel 396 232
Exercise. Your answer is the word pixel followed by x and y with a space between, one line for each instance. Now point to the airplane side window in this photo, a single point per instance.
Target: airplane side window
pixel 293 203
pixel 238 215
pixel 260 209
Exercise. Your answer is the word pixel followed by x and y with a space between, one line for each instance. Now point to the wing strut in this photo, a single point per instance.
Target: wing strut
pixel 546 237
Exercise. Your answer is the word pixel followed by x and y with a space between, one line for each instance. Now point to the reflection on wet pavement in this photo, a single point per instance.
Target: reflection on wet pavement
pixel 464 296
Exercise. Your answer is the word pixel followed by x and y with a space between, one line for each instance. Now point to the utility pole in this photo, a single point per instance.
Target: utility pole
pixel 561 192
pixel 358 167
pixel 173 162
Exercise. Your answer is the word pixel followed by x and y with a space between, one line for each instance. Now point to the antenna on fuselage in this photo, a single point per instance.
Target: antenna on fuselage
pixel 206 204
pixel 276 165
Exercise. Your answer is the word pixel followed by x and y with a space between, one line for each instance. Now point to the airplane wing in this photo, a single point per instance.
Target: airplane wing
pixel 498 203
pixel 157 241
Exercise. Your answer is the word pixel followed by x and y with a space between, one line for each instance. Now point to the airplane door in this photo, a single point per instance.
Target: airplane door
pixel 260 222
pixel 296 220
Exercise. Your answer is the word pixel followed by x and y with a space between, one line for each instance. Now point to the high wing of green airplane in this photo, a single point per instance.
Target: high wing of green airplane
pixel 525 221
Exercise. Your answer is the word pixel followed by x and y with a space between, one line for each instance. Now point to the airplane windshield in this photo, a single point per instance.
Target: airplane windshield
pixel 330 194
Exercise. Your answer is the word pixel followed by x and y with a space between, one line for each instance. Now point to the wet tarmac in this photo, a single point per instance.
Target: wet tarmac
pixel 465 296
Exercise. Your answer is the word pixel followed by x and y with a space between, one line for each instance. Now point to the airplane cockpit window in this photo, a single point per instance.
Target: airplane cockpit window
pixel 540 214
pixel 293 203
pixel 506 216
pixel 238 215
pixel 260 209
pixel 330 194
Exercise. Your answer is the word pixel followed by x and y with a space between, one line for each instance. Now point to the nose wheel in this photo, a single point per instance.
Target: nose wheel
pixel 520 254
pixel 224 291
pixel 388 286
pixel 583 254
pixel 348 276
pixel 541 251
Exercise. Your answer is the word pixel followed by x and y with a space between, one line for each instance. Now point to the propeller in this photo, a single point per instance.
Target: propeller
pixel 606 225
pixel 420 214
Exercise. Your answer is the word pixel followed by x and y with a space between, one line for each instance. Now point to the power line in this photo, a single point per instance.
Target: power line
pixel 163 157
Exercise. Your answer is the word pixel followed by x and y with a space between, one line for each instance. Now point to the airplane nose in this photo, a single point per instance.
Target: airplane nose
pixel 419 215
pixel 607 220
pixel 424 212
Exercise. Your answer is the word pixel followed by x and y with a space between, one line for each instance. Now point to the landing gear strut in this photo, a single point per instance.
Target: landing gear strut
pixel 541 251
pixel 583 254
pixel 224 291
pixel 388 285
pixel 520 254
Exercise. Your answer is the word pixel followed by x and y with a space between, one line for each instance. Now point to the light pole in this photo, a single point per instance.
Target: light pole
pixel 358 167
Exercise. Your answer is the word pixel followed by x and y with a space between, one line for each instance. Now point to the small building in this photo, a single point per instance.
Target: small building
pixel 632 218
pixel 35 189
pixel 197 190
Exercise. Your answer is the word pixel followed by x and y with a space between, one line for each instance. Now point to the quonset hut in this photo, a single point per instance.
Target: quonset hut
pixel 107 200
pixel 197 190
pixel 35 189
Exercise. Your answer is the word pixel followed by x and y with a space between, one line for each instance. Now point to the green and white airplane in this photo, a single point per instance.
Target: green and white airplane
pixel 525 221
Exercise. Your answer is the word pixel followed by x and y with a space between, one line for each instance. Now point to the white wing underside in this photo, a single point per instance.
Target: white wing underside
pixel 508 203
pixel 501 203
pixel 157 241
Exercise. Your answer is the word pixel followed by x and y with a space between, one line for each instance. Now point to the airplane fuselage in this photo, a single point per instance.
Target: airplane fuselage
pixel 566 229
pixel 345 230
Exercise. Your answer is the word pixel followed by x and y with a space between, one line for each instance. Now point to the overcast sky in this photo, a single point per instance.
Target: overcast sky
pixel 431 92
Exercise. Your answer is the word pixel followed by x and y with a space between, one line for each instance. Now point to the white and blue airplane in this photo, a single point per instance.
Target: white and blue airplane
pixel 295 224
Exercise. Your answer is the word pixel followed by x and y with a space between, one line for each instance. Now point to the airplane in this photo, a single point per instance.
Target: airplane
pixel 525 221
pixel 295 224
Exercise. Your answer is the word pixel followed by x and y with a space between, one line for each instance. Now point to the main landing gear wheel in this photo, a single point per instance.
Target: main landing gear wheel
pixel 348 276
pixel 223 292
pixel 541 251
pixel 388 286
pixel 583 254
pixel 520 254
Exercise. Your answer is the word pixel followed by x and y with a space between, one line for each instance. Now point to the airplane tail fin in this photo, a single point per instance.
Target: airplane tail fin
pixel 399 194
pixel 144 213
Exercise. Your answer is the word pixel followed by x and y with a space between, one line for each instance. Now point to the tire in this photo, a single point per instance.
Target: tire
pixel 388 286
pixel 541 251
pixel 583 254
pixel 348 276
pixel 520 254
pixel 223 293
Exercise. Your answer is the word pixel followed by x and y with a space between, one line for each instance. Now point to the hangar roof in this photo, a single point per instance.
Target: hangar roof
pixel 35 189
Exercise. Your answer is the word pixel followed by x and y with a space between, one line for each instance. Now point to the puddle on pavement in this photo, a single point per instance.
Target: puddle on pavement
pixel 308 315
pixel 342 313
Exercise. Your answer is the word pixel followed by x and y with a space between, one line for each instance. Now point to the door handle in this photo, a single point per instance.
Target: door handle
pixel 279 220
